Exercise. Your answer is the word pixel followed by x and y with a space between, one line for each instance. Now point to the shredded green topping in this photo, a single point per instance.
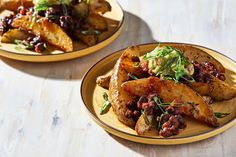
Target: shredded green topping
pixel 221 114
pixel 91 32
pixel 144 114
pixel 22 45
pixel 132 76
pixel 169 63
pixel 158 101
pixel 106 105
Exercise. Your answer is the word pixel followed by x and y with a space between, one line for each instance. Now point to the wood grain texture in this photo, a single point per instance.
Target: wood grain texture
pixel 41 111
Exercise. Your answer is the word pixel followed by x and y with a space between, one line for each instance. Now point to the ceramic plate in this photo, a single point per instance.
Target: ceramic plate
pixel 115 20
pixel 195 131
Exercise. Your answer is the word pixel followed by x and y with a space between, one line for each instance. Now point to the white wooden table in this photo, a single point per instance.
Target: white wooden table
pixel 41 113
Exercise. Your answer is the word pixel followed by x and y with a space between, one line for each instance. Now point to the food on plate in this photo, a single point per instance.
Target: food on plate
pixel 48 31
pixel 55 22
pixel 13 5
pixel 200 71
pixel 104 80
pixel 214 88
pixel 14 34
pixel 117 96
pixel 159 118
pixel 192 103
pixel 152 93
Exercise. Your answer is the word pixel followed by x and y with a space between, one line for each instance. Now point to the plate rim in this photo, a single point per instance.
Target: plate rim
pixel 115 34
pixel 189 139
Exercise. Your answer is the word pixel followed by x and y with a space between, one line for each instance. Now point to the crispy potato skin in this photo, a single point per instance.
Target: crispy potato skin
pixel 117 96
pixel 13 5
pixel 49 31
pixel 195 54
pixel 98 22
pixel 168 91
pixel 14 34
pixel 217 89
pixel 89 40
pixel 99 6
pixel 104 80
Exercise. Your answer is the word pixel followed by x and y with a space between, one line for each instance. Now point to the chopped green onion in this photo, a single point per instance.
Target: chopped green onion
pixel 144 114
pixel 221 114
pixel 91 32
pixel 106 105
pixel 20 45
pixel 158 102
pixel 137 64
pixel 132 76
pixel 169 62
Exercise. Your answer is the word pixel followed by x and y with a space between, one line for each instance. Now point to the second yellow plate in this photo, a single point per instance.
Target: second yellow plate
pixel 115 20
pixel 195 131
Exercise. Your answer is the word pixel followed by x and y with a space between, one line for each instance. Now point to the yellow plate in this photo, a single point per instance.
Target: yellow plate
pixel 195 131
pixel 115 20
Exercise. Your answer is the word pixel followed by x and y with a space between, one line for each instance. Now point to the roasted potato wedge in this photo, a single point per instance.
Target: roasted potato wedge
pixel 104 80
pixel 13 5
pixel 194 54
pixel 49 31
pixel 142 128
pixel 89 40
pixel 217 89
pixel 14 34
pixel 99 6
pixel 98 22
pixel 168 91
pixel 81 9
pixel 117 96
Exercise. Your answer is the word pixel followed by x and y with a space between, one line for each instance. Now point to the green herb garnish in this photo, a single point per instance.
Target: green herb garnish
pixel 106 105
pixel 144 114
pixel 132 76
pixel 22 45
pixel 158 102
pixel 137 64
pixel 91 32
pixel 169 63
pixel 221 114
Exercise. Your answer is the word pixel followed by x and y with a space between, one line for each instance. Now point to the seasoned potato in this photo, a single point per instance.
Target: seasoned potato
pixel 81 9
pixel 117 96
pixel 142 128
pixel 89 40
pixel 168 90
pixel 14 34
pixel 49 31
pixel 12 5
pixel 99 6
pixel 195 54
pixel 217 89
pixel 98 22
pixel 104 80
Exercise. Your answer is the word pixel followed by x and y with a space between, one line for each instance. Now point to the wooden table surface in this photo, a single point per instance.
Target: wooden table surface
pixel 41 112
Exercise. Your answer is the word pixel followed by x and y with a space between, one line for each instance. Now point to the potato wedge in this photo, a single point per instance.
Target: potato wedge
pixel 168 91
pixel 117 96
pixel 89 40
pixel 98 22
pixel 13 5
pixel 14 34
pixel 104 80
pixel 142 128
pixel 217 89
pixel 195 54
pixel 49 31
pixel 99 6
pixel 81 9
